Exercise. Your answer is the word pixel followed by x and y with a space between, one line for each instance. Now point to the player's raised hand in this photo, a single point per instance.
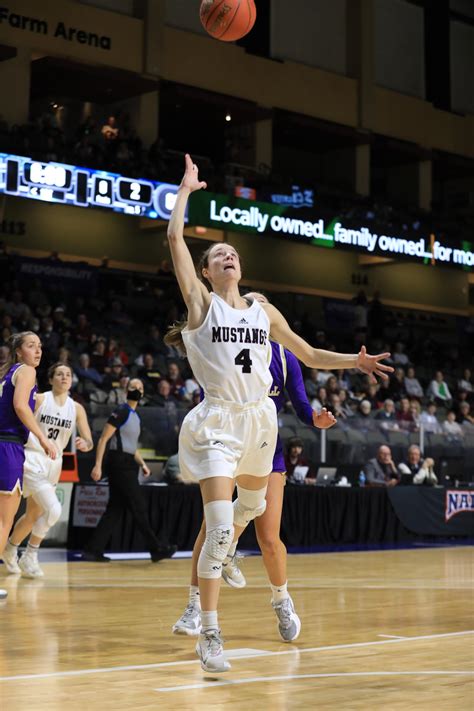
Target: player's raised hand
pixel 324 420
pixel 371 365
pixel 191 176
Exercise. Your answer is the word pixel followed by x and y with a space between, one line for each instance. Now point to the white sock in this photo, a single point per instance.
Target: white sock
pixel 194 596
pixel 230 552
pixel 12 545
pixel 209 621
pixel 279 592
pixel 31 549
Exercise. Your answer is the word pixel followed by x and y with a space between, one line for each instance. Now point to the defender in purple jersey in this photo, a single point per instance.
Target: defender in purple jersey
pixel 17 393
pixel 286 375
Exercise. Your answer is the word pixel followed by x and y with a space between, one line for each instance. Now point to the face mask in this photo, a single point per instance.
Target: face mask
pixel 134 395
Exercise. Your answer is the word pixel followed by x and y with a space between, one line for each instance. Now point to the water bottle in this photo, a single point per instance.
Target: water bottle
pixel 361 479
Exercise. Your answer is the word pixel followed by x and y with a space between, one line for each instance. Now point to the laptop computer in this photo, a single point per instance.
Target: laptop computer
pixel 326 476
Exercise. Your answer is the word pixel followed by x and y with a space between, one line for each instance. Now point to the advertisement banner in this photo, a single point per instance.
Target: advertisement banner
pixel 434 511
pixel 280 220
pixel 70 274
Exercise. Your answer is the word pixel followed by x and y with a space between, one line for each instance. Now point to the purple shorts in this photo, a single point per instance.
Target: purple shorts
pixel 278 458
pixel 12 457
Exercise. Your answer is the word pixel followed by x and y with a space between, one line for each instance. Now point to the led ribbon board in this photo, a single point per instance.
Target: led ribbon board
pixel 83 187
pixel 239 215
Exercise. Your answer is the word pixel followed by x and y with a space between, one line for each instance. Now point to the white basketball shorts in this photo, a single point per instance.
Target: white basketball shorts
pixel 39 471
pixel 218 438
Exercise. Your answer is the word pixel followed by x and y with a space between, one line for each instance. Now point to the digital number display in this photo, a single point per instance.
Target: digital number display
pixel 85 187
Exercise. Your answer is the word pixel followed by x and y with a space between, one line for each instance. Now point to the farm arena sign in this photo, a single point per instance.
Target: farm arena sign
pixel 60 30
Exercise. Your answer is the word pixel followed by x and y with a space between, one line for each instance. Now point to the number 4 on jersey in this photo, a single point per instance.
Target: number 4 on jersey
pixel 244 360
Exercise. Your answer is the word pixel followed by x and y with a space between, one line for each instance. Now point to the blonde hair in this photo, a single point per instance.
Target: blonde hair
pixel 15 342
pixel 174 336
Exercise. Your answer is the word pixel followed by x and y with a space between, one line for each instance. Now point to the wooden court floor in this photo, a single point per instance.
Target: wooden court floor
pixel 381 630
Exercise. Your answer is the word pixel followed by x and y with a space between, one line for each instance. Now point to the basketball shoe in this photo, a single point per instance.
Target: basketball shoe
pixel 289 624
pixel 231 572
pixel 210 651
pixel 190 621
pixel 29 565
pixel 10 558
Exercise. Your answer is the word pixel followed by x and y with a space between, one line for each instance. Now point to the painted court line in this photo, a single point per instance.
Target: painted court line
pixel 259 653
pixel 392 636
pixel 291 677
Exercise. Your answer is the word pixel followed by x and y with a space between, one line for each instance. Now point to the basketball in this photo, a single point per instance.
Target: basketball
pixel 228 20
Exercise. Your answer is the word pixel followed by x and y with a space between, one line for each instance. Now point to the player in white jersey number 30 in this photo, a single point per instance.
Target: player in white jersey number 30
pixel 57 415
pixel 232 432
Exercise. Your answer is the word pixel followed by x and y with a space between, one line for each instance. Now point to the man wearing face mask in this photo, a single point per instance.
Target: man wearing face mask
pixel 123 431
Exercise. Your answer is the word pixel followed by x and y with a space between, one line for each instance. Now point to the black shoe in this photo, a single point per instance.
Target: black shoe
pixel 95 557
pixel 163 552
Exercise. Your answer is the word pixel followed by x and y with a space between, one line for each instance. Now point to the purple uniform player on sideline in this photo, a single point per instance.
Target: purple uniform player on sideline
pixel 17 403
pixel 286 373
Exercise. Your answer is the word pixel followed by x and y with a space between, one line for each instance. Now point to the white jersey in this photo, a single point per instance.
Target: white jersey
pixel 230 352
pixel 56 422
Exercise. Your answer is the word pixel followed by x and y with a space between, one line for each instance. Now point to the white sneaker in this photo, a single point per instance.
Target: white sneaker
pixel 29 566
pixel 231 572
pixel 190 621
pixel 210 651
pixel 10 558
pixel 289 624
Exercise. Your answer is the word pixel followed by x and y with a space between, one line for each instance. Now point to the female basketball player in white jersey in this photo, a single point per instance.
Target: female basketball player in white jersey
pixel 232 432
pixel 57 416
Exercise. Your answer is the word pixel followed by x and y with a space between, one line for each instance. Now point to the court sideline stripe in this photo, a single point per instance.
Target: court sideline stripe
pixel 291 677
pixel 159 665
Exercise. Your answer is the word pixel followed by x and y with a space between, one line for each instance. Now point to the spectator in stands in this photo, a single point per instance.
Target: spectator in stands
pixel 115 350
pixel 438 390
pixel 331 386
pixel 415 409
pixel 50 339
pixel 335 406
pixel 465 383
pixel 312 383
pixel 465 417
pixel 344 403
pixel 321 399
pixel 364 410
pixel 429 420
pixel 118 394
pixel 404 415
pixel 116 315
pixel 17 309
pixel 399 356
pixel 114 372
pixel 4 353
pixel 61 323
pixel 412 384
pixel 110 130
pixel 173 376
pixel 86 373
pixel 99 359
pixel 298 470
pixel 155 344
pixel 386 417
pixel 381 470
pixel 360 321
pixel 397 385
pixel 451 428
pixel 343 381
pixel 416 470
pixel 82 331
pixel 6 334
pixel 371 395
pixel 149 373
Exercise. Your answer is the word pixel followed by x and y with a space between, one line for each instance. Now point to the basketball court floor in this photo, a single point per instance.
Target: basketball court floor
pixel 391 629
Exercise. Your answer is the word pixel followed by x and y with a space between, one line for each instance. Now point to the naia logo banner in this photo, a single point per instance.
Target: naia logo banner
pixel 458 502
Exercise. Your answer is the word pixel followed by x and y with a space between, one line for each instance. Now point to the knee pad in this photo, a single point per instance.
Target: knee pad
pixel 47 519
pixel 248 505
pixel 219 537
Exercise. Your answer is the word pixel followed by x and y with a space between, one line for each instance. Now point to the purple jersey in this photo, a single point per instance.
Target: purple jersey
pixel 286 373
pixel 10 423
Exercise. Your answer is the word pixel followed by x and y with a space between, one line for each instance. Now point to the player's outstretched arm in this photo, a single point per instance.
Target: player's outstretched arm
pixel 324 360
pixel 193 290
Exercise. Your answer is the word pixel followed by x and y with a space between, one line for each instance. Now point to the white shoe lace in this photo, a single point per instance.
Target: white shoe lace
pixel 284 612
pixel 189 612
pixel 234 562
pixel 214 642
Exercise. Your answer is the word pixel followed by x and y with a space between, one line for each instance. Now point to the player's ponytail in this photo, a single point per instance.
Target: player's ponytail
pixel 15 342
pixel 174 336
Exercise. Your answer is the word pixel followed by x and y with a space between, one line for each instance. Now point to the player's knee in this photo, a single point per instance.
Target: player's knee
pixel 219 537
pixel 248 505
pixel 269 544
pixel 47 520
pixel 53 513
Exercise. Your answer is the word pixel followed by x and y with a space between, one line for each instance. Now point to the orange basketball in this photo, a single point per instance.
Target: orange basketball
pixel 228 20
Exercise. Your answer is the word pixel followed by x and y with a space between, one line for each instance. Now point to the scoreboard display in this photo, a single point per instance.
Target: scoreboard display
pixel 85 187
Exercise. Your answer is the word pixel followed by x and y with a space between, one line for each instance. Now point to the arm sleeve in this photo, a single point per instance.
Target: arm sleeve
pixel 296 390
pixel 118 417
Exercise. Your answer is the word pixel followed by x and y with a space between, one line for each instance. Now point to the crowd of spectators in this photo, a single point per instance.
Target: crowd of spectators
pixel 115 332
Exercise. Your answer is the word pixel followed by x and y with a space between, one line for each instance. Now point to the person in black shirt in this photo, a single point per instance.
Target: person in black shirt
pixel 123 431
